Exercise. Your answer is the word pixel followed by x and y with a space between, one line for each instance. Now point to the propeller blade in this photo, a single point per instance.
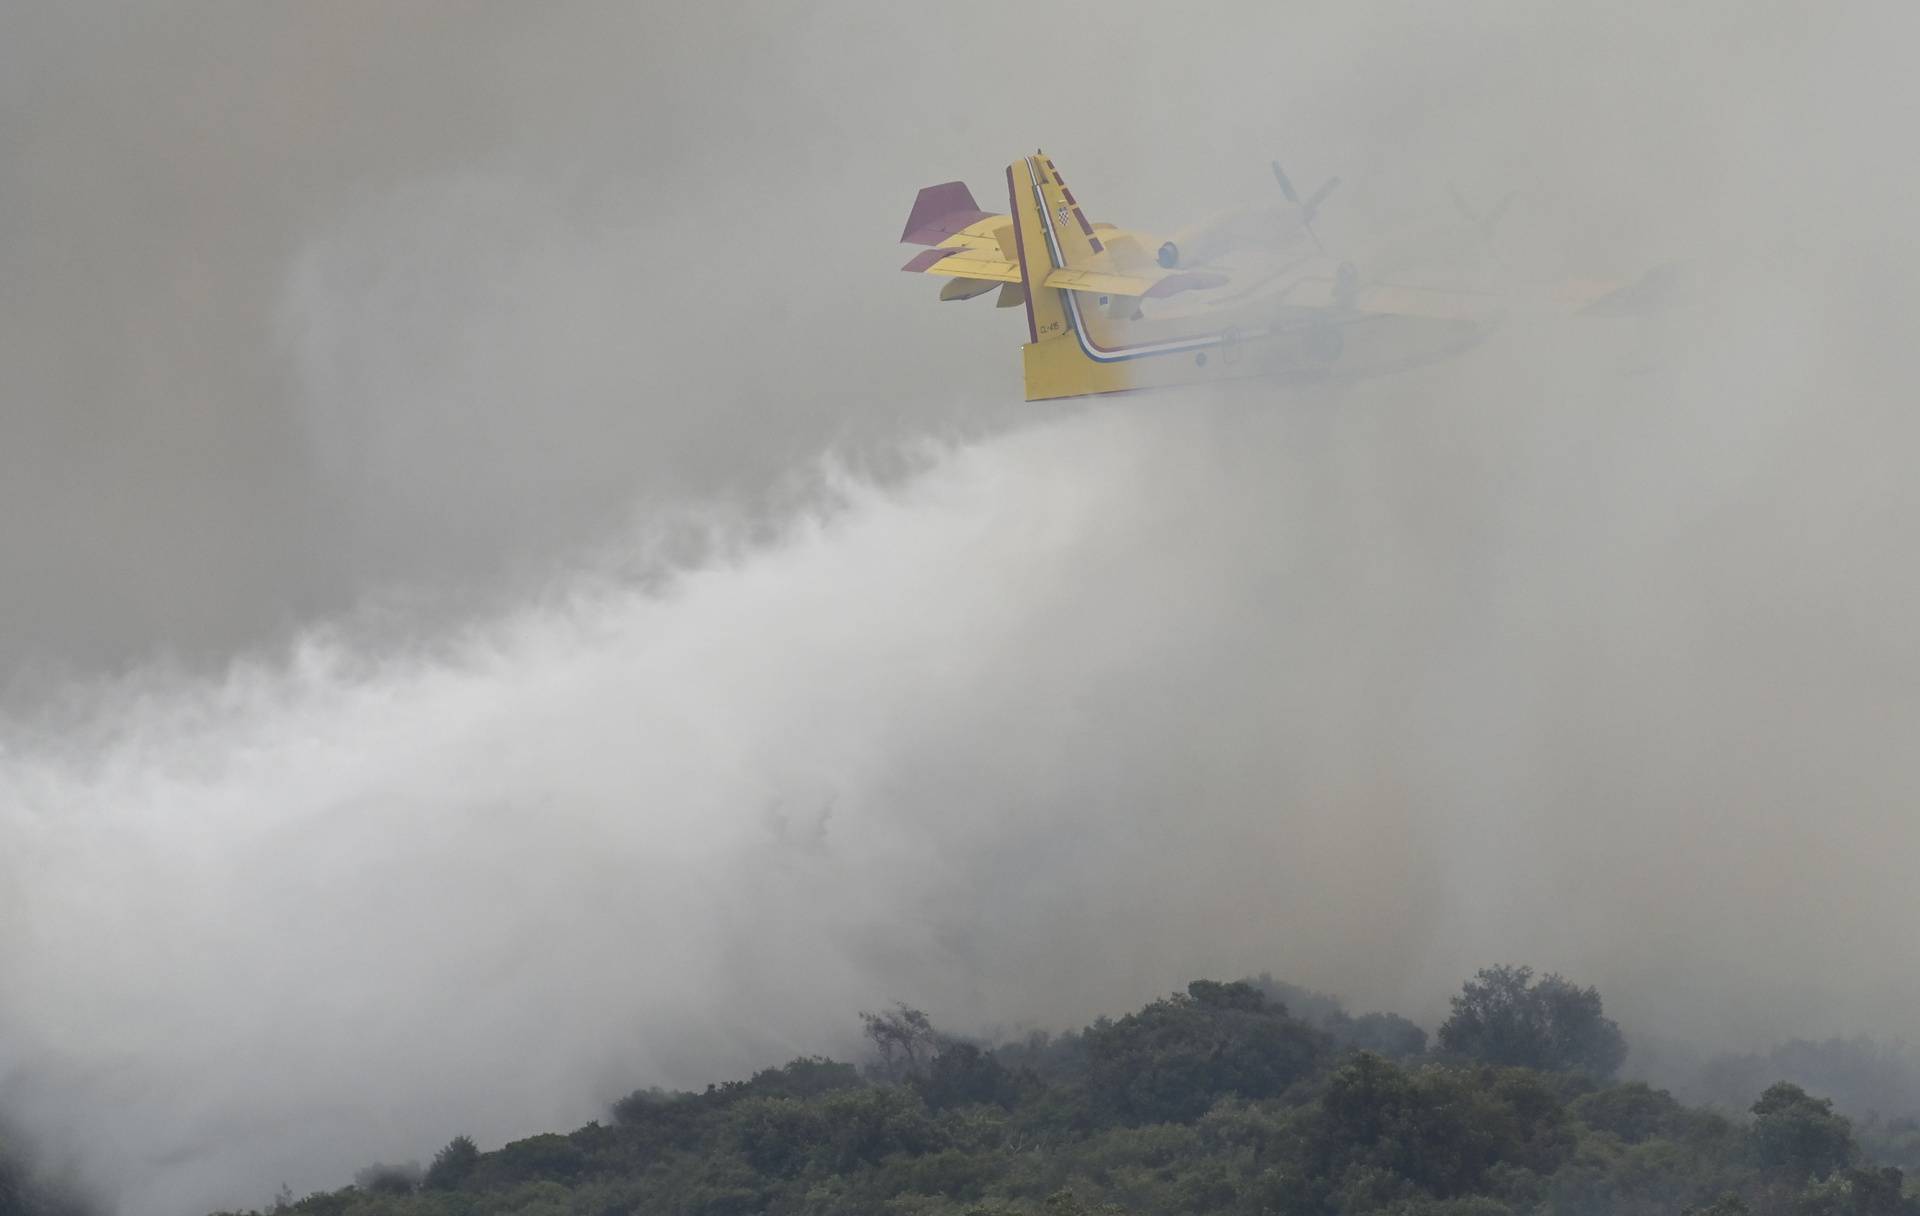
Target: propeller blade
pixel 1466 208
pixel 1286 187
pixel 1320 196
pixel 1500 209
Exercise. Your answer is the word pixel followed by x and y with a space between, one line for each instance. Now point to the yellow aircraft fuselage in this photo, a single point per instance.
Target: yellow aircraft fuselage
pixel 1105 316
pixel 1305 323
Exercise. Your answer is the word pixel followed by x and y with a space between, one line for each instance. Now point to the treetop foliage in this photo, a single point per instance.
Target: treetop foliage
pixel 1386 1034
pixel 1798 1134
pixel 1503 1016
pixel 904 1040
pixel 452 1165
pixel 1173 1059
pixel 1247 1098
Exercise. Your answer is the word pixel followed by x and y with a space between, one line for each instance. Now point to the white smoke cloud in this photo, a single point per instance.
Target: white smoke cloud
pixel 291 920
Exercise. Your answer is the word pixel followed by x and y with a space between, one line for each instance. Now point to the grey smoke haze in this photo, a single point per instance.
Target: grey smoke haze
pixel 384 763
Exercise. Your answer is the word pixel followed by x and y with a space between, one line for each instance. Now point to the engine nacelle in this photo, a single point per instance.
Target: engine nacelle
pixel 1252 227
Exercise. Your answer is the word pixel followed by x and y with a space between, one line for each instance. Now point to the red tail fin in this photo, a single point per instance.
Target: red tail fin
pixel 939 212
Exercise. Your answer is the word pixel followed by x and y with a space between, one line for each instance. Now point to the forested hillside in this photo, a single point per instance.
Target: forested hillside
pixel 1246 1097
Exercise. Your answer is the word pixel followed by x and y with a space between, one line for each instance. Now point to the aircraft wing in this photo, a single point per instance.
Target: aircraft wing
pixel 1434 303
pixel 1152 285
pixel 1386 299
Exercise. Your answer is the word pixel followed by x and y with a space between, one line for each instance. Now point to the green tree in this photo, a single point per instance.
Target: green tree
pixel 1064 1203
pixel 1439 1129
pixel 1858 1192
pixel 1634 1112
pixel 1386 1034
pixel 904 1038
pixel 1728 1204
pixel 865 1125
pixel 1170 1061
pixel 804 1077
pixel 963 1074
pixel 1502 1016
pixel 779 1137
pixel 452 1165
pixel 547 1157
pixel 1799 1135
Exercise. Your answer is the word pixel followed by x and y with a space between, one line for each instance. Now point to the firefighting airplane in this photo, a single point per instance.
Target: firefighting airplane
pixel 1249 293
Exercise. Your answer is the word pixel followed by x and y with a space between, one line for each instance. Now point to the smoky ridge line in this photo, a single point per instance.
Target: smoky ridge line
pixel 512 750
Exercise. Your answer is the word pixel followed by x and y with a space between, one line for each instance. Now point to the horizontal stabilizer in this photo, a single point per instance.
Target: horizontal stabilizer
pixel 965 263
pixel 940 212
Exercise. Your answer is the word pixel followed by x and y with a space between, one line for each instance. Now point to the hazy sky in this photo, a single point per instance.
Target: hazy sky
pixel 509 596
